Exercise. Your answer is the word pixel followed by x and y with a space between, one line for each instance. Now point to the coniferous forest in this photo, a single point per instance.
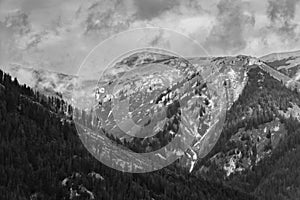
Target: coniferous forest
pixel 42 157
pixel 277 175
pixel 208 92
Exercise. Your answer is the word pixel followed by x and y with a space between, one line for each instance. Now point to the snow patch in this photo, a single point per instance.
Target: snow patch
pixel 276 128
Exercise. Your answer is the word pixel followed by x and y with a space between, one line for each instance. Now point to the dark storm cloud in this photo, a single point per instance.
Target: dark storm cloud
pixel 281 14
pixel 227 36
pixel 148 9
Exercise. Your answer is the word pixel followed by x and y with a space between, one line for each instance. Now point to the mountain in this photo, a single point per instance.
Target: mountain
pixel 261 133
pixel 195 102
pixel 50 83
pixel 288 63
pixel 47 82
pixel 241 114
pixel 43 158
pixel 261 125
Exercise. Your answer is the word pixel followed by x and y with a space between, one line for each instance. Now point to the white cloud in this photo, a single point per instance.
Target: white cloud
pixel 58 38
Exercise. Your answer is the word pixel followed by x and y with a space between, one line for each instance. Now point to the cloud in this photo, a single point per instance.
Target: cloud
pixel 276 29
pixel 149 9
pixel 7 45
pixel 186 17
pixel 227 35
pixel 18 21
pixel 156 40
pixel 18 24
pixel 106 17
pixel 281 14
pixel 57 35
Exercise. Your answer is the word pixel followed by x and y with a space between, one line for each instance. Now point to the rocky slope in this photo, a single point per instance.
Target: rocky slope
pixel 260 115
pixel 288 63
pixel 205 88
pixel 43 158
pixel 132 97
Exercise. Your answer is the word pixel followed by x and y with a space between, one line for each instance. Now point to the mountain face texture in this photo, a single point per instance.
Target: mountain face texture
pixel 196 99
pixel 43 158
pixel 288 63
pixel 252 154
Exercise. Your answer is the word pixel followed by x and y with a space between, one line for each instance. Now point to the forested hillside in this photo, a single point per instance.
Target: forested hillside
pixel 261 141
pixel 43 158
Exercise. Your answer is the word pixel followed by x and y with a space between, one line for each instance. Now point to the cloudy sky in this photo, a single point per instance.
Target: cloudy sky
pixel 57 35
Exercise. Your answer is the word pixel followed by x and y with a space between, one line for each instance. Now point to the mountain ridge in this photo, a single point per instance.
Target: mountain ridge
pixel 244 117
pixel 65 83
pixel 45 147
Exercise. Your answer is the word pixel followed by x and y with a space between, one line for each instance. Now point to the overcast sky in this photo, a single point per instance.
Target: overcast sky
pixel 58 34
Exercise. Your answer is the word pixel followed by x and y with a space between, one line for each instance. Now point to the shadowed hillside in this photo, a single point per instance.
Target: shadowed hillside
pixel 43 158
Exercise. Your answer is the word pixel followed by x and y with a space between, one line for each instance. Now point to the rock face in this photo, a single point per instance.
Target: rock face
pixel 287 63
pixel 74 187
pixel 250 147
pixel 155 97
